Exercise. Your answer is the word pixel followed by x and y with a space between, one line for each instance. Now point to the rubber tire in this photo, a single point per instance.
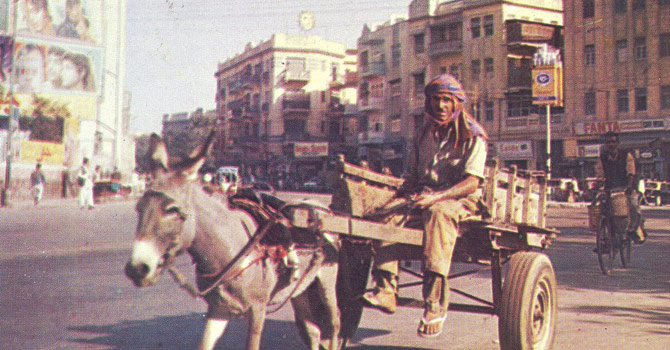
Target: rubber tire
pixel 528 306
pixel 605 247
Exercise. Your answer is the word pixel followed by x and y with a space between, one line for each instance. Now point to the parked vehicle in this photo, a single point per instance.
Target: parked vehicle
pixel 228 178
pixel 312 185
pixel 657 192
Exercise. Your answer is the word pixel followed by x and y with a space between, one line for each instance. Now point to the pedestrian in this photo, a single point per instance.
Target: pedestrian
pixel 85 180
pixel 37 180
pixel 641 188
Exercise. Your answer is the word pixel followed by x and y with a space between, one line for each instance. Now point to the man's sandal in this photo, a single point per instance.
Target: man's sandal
pixel 423 324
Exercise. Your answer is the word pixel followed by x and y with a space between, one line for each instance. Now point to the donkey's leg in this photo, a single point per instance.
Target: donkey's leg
pixel 327 281
pixel 306 320
pixel 256 321
pixel 213 330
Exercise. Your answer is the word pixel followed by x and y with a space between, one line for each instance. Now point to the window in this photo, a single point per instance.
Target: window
pixel 640 48
pixel 664 45
pixel 622 50
pixel 419 82
pixel 520 105
pixel 488 25
pixel 454 70
pixel 665 97
pixel 663 2
pixel 620 6
pixel 640 99
pixel 474 27
pixel 488 65
pixel 639 4
pixel 438 34
pixel 488 111
pixel 590 103
pixel 622 101
pixel 589 9
pixel 443 70
pixel 477 110
pixel 476 68
pixel 395 55
pixel 419 43
pixel 589 55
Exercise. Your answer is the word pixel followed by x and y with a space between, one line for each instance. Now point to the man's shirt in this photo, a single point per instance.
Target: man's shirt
pixel 436 162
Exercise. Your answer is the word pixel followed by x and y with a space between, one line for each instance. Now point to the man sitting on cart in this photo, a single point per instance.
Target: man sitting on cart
pixel 441 189
pixel 617 167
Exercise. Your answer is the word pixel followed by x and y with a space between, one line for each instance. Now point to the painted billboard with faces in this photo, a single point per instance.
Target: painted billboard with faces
pixel 50 67
pixel 69 20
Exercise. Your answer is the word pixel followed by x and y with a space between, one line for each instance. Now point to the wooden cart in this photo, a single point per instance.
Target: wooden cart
pixel 524 300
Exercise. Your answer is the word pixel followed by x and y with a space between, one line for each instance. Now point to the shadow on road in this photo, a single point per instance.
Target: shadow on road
pixel 183 332
pixel 656 318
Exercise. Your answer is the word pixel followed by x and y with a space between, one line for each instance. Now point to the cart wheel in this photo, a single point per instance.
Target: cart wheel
pixel 528 306
pixel 605 247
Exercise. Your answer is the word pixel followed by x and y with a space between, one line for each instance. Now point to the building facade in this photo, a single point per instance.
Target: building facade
pixel 285 107
pixel 617 80
pixel 63 72
pixel 183 132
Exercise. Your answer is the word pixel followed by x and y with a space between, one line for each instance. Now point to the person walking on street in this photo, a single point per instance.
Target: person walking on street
pixel 37 180
pixel 85 178
pixel 442 188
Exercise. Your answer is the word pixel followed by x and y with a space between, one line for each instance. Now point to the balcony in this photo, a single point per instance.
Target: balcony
pixel 244 82
pixel 529 34
pixel 296 104
pixel 296 78
pixel 373 69
pixel 370 104
pixel 443 48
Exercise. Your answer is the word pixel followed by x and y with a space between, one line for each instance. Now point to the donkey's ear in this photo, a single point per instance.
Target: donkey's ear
pixel 157 156
pixel 197 158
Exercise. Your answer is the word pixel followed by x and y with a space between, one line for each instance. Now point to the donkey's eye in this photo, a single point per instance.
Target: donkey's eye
pixel 172 210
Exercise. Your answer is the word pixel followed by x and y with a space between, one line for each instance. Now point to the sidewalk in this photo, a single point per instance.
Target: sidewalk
pixel 59 202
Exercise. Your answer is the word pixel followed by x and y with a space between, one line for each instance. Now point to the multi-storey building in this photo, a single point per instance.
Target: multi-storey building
pixel 284 106
pixel 488 45
pixel 63 80
pixel 616 79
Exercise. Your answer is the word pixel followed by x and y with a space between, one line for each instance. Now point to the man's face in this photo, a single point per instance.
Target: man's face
pixel 75 13
pixel 443 105
pixel 611 144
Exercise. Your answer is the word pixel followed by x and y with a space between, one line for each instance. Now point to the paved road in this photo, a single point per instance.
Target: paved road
pixel 63 288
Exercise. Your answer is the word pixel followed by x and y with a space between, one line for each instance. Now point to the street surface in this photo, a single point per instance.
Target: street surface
pixel 62 287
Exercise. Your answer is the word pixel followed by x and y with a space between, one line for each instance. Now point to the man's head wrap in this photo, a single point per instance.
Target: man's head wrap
pixel 466 126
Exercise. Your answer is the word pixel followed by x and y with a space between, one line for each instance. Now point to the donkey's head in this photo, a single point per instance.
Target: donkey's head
pixel 166 224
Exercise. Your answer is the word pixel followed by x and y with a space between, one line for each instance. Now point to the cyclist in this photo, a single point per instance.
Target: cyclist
pixel 617 167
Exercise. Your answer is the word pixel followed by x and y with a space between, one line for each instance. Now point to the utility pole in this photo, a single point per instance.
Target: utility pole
pixel 13 115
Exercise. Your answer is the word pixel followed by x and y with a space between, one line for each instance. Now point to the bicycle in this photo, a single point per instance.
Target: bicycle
pixel 612 229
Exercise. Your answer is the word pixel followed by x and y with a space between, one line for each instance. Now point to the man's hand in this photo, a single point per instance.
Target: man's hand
pixel 425 200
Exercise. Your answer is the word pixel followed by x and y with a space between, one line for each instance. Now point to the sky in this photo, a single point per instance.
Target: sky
pixel 173 47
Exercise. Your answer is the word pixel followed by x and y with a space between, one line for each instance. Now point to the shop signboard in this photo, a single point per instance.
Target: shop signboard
pixel 310 149
pixel 588 151
pixel 597 127
pixel 42 152
pixel 514 150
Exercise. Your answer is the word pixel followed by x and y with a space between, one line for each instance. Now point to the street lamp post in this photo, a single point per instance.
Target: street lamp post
pixel 548 87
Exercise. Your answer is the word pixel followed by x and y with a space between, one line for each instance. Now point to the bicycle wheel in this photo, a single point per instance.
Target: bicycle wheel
pixel 605 247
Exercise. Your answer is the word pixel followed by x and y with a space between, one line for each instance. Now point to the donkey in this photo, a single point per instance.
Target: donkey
pixel 236 275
